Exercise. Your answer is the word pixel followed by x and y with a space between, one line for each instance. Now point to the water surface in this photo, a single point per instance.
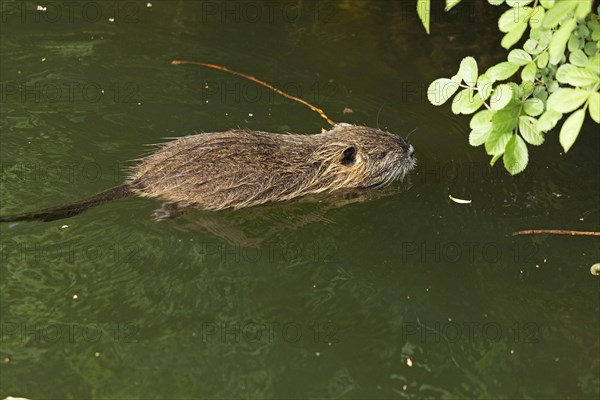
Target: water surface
pixel 406 295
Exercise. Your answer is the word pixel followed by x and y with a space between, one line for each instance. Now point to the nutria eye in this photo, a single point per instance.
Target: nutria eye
pixel 380 155
pixel 349 156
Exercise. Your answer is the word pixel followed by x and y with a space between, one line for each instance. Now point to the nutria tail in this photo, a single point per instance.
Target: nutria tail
pixel 52 214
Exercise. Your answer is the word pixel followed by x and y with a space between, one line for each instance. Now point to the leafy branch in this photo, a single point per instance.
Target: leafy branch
pixel 560 74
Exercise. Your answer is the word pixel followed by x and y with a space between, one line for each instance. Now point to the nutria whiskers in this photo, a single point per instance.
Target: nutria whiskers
pixel 243 168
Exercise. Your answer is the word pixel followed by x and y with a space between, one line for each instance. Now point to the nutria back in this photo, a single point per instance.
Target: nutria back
pixel 242 168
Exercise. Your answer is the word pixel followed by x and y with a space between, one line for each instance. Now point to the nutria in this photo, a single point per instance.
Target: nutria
pixel 243 168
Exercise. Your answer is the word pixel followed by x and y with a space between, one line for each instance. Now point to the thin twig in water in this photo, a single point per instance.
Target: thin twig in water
pixel 265 84
pixel 555 232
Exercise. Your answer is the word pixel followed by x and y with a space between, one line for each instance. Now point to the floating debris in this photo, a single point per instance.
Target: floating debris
pixel 459 201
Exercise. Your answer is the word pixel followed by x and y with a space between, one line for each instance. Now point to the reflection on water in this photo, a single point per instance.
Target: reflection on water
pixel 399 294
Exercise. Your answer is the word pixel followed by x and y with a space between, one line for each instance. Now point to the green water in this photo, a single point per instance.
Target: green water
pixel 301 300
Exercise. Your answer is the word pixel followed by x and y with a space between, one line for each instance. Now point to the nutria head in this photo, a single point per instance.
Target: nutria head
pixel 360 156
pixel 242 168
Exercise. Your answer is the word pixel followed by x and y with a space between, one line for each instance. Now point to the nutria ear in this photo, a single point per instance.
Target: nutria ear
pixel 349 156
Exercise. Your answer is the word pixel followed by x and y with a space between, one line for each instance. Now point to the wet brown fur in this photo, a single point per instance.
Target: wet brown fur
pixel 243 168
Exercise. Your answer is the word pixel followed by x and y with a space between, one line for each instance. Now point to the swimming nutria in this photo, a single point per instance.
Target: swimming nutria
pixel 243 168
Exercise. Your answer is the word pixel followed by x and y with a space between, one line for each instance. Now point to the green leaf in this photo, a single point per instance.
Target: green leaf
pixel 528 73
pixel 530 46
pixel 578 58
pixel 575 76
pixel 584 7
pixel 441 90
pixel 559 39
pixel 523 90
pixel 526 89
pixel 457 79
pixel 570 129
pixel 582 77
pixel 468 70
pixel 518 3
pixel 527 127
pixel 590 48
pixel 516 155
pixel 543 37
pixel 517 93
pixel 594 106
pixel 505 120
pixel 537 16
pixel 542 59
pixel 574 43
pixel 507 22
pixel 494 159
pixel 540 92
pixel 479 136
pixel 552 86
pixel 519 57
pixel 481 119
pixel 548 120
pixel 513 17
pixel 533 107
pixel 496 142
pixel 484 86
pixel 474 103
pixel 503 94
pixel 513 36
pixel 561 72
pixel 566 100
pixel 594 63
pixel 450 4
pixel 594 26
pixel 501 71
pixel 465 102
pixel 423 10
pixel 495 2
pixel 582 31
pixel 547 3
pixel 558 13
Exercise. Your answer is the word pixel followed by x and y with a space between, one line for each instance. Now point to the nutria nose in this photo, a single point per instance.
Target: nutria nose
pixel 411 151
